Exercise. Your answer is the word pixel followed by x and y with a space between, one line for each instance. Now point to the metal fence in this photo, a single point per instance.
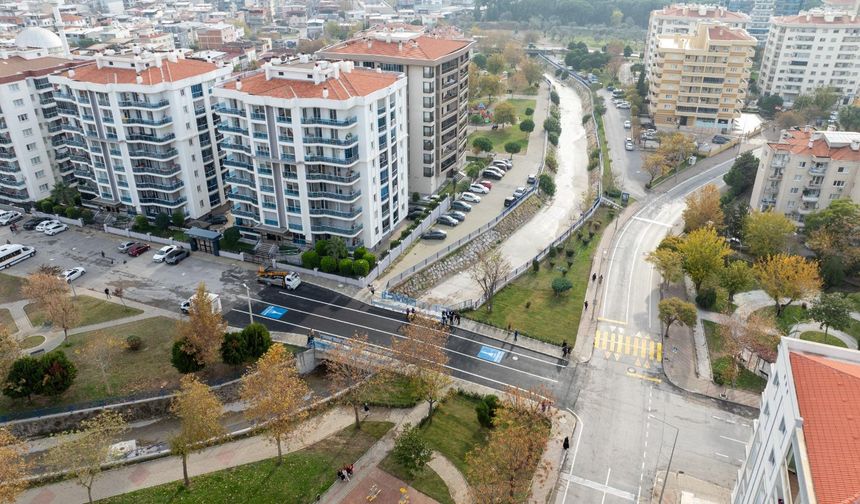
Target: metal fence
pixel 143 236
pixel 64 220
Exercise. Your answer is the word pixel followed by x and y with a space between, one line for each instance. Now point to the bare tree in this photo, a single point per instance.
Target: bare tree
pixel 118 291
pixel 51 294
pixel 13 467
pixel 10 351
pixel 422 350
pixel 100 352
pixel 353 368
pixel 489 270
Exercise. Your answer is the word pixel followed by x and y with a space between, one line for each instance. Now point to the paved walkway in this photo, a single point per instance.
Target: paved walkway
pixel 458 487
pixel 844 337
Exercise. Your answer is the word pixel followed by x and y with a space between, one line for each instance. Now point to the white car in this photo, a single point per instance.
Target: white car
pixel 9 217
pixel 624 105
pixel 44 225
pixel 72 274
pixel 478 188
pixel 628 144
pixel 162 253
pixel 124 246
pixel 470 197
pixel 519 192
pixel 57 228
pixel 627 125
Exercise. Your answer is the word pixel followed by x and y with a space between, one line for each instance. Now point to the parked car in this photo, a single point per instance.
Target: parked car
pixel 461 205
pixel 486 183
pixel 720 140
pixel 470 197
pixel 161 253
pixel 460 216
pixel 32 222
pixel 137 249
pixel 176 256
pixel 519 192
pixel 627 125
pixel 509 201
pixel 217 219
pixel 55 228
pixel 72 274
pixel 447 220
pixel 478 188
pixel 434 234
pixel 10 217
pixel 624 105
pixel 492 174
pixel 415 214
pixel 44 224
pixel 507 164
pixel 124 246
pixel 628 144
pixel 532 179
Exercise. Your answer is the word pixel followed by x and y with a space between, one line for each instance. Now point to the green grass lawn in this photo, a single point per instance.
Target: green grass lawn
pixel 713 337
pixel 31 341
pixel 10 288
pixel 854 329
pixel 520 105
pixel 92 310
pixel 302 476
pixel 529 304
pixel 502 136
pixel 818 337
pixel 747 380
pixel 855 297
pixel 427 481
pixel 400 392
pixel 7 321
pixel 790 316
pixel 454 429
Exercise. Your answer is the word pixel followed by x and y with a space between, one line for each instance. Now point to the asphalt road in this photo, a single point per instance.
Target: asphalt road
pixel 627 165
pixel 499 364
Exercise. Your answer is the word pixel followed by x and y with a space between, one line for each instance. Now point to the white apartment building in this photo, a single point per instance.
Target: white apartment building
pixel 316 150
pixel 29 165
pixel 682 19
pixel 437 74
pixel 804 445
pixel 805 170
pixel 813 49
pixel 141 134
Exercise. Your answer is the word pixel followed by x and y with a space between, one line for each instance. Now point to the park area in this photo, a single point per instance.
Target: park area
pixel 507 132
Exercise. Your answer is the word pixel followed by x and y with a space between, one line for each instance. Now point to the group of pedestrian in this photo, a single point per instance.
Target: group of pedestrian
pixel 449 317
pixel 345 472
pixel 411 313
pixel 565 349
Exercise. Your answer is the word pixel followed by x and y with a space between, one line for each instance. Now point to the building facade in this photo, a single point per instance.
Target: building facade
pixel 814 49
pixel 29 128
pixel 683 19
pixel 141 133
pixel 804 445
pixel 437 74
pixel 316 150
pixel 699 81
pixel 805 170
pixel 761 12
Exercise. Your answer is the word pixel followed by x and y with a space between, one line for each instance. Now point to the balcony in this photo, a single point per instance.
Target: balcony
pixel 122 183
pixel 173 186
pixel 59 95
pixel 8 154
pixel 267 189
pixel 284 119
pixel 810 196
pixel 14 196
pixel 347 121
pixel 163 202
pixel 161 172
pixel 352 196
pixel 294 226
pixel 345 231
pixel 238 147
pixel 79 159
pixel 147 122
pixel 347 142
pixel 242 197
pixel 257 116
pixel 140 153
pixel 331 160
pixel 333 178
pixel 261 135
pixel 285 139
pixel 12 182
pixel 291 192
pixel 245 181
pixel 237 164
pixel 5 139
pixel 290 175
pixel 144 104
pixel 232 129
pixel 244 213
pixel 270 205
pixel 150 138
pixel 352 214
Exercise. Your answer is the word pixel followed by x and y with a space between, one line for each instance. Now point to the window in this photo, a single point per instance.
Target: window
pixel 23 117
pixel 27 132
pixel 14 87
pixel 841 169
pixel 19 102
pixel 40 174
pixel 794 190
pixel 31 146
pixel 798 178
pixel 782 426
pixel 838 183
pixel 36 160
pixel 43 187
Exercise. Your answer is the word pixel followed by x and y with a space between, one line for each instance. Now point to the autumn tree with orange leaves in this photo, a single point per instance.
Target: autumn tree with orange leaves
pixel 790 277
pixel 422 351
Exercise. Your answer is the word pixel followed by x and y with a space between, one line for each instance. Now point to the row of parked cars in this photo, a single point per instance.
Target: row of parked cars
pixel 45 225
pixel 170 254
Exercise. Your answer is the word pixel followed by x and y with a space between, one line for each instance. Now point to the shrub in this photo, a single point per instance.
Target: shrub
pixel 561 285
pixel 134 343
pixel 345 267
pixel 257 340
pixel 320 246
pixel 411 450
pixel 529 111
pixel 535 265
pixel 233 350
pixel 706 298
pixel 569 252
pixel 482 144
pixel 24 378
pixel 552 125
pixel 58 373
pixel 140 223
pixel 476 119
pixel 553 138
pixel 87 216
pixel 46 206
pixel 553 97
pixel 486 410
pixel 310 259
pixel 328 264
pixel 527 125
pixel 370 258
pixel 552 252
pixel 230 237
pixel 360 268
pixel 546 184
pixel 551 162
pixel 720 368
pixel 162 221
pixel 178 218
pixel 415 197
pixel 359 252
pixel 183 361
pixel 73 212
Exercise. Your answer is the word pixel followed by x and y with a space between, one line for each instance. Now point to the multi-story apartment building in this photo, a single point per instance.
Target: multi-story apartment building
pixel 761 12
pixel 29 165
pixel 437 74
pixel 683 19
pixel 804 445
pixel 805 170
pixel 814 49
pixel 699 81
pixel 216 35
pixel 141 133
pixel 316 150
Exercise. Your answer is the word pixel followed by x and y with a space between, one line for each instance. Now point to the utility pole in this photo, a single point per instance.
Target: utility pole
pixel 248 293
pixel 671 456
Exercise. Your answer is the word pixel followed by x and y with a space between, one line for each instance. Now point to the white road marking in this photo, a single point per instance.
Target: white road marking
pixel 600 487
pixel 650 221
pixel 575 451
pixel 650 283
pixel 721 455
pixel 734 440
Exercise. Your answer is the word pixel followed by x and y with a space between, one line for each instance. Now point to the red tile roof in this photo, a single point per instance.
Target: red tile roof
pixel 798 143
pixel 169 72
pixel 692 11
pixel 15 68
pixel 420 48
pixel 828 395
pixel 817 18
pixel 356 83
pixel 725 33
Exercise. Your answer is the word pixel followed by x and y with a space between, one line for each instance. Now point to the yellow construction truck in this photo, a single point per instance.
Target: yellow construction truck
pixel 289 280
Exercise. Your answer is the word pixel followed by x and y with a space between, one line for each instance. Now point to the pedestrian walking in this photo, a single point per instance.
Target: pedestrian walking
pixel 366 408
pixel 593 277
pixel 586 305
pixel 600 279
pixel 372 290
pixel 345 474
pixel 341 474
pixel 107 293
pixel 103 254
pixel 349 468
pixel 516 334
pixel 566 443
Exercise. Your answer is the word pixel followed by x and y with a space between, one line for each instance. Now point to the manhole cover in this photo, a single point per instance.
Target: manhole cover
pixel 515 358
pixel 631 370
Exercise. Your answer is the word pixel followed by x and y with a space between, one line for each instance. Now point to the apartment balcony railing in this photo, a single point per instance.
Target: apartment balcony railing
pixel 152 170
pixel 242 197
pixel 246 181
pixel 173 186
pixel 346 231
pixel 333 178
pixel 336 213
pixel 261 135
pixel 169 153
pixel 237 164
pixel 245 213
pixel 232 129
pixel 144 104
pixel 233 146
pixel 347 121
pixel 150 138
pixel 342 142
pixel 331 160
pixel 147 122
pixel 11 182
pixel 285 139
pixel 267 189
pixel 163 202
pixel 258 116
pixel 351 196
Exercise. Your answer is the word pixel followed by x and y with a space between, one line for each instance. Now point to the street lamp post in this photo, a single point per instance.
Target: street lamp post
pixel 250 311
pixel 671 456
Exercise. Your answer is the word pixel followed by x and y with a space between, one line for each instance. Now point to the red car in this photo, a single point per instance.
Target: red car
pixel 486 183
pixel 137 249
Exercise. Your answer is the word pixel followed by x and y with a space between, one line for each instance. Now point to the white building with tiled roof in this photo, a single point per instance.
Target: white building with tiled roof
pixel 141 133
pixel 437 73
pixel 813 49
pixel 316 150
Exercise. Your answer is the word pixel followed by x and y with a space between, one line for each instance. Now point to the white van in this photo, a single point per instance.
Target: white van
pixel 215 299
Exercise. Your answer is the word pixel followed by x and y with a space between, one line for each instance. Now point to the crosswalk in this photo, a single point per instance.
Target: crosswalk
pixel 645 351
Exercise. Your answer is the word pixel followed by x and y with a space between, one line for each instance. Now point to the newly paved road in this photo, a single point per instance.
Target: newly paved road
pixel 626 165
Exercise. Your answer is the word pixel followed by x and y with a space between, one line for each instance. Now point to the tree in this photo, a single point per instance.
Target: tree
pixel 24 378
pixel 58 373
pixel 199 413
pixel 233 350
pixel 551 162
pixel 676 310
pixel 817 105
pixel 551 125
pixel 669 263
pixel 411 450
pixel 512 148
pixel 10 350
pixel 203 332
pixel 703 252
pixel 766 233
pixel 546 184
pixel 736 277
pixel 99 353
pixel 703 209
pixel 787 276
pixel 421 350
pixel 482 144
pixel 336 248
pixel 82 452
pixel 628 51
pixel 676 147
pixel 554 97
pixel 488 271
pixel 769 104
pixel 527 125
pixel 504 113
pixel 63 312
pixel 162 221
pixel 757 334
pixel 257 340
pixel 275 394
pixel 834 232
pixel 642 85
pixel 177 218
pixel 513 53
pixel 13 466
pixel 489 85
pixel 655 165
pixel 64 194
pixel 832 310
pixel 183 361
pixel 560 285
pixel 531 70
pixel 849 118
pixel 735 216
pixel 789 119
pixel 741 176
pixel 354 368
pixel 495 64
pixel 480 60
pixel 230 238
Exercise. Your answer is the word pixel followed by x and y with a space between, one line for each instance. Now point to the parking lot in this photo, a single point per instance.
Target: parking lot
pixel 141 279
